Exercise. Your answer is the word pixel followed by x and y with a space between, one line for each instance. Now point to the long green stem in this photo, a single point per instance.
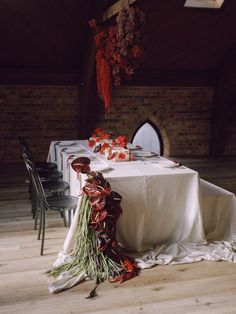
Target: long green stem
pixel 87 257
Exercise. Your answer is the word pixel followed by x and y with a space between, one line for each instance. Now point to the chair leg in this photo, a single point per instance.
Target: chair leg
pixel 33 203
pixel 43 230
pixel 30 189
pixel 64 218
pixel 37 211
pixel 36 214
pixel 69 218
pixel 40 222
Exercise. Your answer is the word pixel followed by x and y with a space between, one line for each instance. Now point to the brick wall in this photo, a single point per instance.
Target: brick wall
pixel 40 114
pixel 182 114
pixel 45 113
pixel 231 136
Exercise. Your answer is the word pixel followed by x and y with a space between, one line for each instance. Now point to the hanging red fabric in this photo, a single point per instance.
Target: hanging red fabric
pixel 103 78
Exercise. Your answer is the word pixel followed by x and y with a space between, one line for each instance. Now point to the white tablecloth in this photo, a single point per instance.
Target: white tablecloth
pixel 161 206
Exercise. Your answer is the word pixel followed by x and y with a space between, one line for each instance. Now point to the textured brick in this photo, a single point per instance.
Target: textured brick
pixel 40 114
pixel 182 115
pixel 45 113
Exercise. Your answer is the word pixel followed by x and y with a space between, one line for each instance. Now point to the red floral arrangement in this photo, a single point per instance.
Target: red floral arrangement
pixel 114 149
pixel 119 49
pixel 106 210
pixel 97 254
pixel 120 141
pixel 113 155
pixel 98 136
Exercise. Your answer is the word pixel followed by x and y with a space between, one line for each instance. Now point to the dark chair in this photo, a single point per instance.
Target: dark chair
pixel 52 182
pixel 60 203
pixel 43 166
pixel 51 187
pixel 46 170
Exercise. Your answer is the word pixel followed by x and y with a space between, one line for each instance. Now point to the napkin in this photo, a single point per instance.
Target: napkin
pixel 166 163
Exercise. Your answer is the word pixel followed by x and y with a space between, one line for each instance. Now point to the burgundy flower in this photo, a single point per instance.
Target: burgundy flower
pixel 81 164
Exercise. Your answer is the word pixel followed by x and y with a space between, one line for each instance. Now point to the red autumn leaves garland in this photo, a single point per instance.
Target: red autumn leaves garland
pixel 119 50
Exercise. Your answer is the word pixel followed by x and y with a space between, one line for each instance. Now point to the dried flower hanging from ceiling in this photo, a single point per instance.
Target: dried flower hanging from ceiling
pixel 119 50
pixel 129 40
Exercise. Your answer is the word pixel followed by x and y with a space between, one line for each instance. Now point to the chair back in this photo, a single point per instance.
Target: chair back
pixel 25 147
pixel 36 181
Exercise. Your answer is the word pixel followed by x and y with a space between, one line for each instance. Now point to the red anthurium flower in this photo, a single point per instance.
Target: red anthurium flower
pixel 121 141
pixel 105 210
pixel 91 143
pixel 81 164
pixel 91 190
pixel 85 169
pixel 105 191
pixel 98 203
pixel 122 155
pixel 129 265
pixel 100 216
pixel 98 131
pixel 103 148
pixel 125 277
pixel 112 156
pixel 106 136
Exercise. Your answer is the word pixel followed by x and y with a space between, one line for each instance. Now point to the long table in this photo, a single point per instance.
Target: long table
pixel 163 207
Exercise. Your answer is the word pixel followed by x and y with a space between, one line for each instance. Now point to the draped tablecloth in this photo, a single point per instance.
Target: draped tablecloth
pixel 163 207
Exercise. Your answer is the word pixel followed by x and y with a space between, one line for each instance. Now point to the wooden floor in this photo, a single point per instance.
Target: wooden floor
pixel 204 287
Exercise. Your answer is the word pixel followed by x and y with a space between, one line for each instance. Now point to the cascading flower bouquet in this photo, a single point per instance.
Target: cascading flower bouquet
pixel 97 252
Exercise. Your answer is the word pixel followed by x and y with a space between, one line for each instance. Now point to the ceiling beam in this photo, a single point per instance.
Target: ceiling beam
pixel 39 76
pixel 152 77
pixel 116 8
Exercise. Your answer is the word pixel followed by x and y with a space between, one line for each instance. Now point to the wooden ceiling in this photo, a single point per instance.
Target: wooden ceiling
pixel 43 33
pixel 51 35
pixel 180 38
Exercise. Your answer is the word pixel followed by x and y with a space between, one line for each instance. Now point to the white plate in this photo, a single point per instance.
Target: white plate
pixel 66 143
pixel 75 150
pixel 143 154
pixel 133 147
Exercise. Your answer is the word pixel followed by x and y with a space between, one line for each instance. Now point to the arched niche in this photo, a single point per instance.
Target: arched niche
pixel 148 136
